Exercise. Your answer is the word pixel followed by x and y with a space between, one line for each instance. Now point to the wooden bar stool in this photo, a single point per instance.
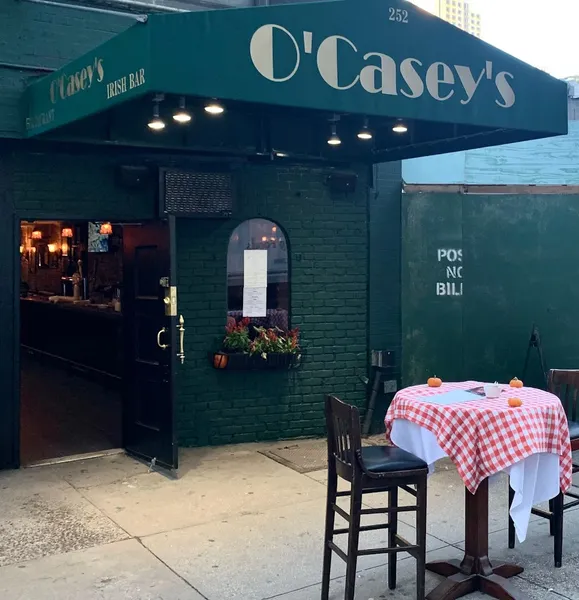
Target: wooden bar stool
pixel 372 469
pixel 565 385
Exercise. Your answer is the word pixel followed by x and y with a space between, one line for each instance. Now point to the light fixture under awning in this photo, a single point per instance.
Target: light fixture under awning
pixel 339 57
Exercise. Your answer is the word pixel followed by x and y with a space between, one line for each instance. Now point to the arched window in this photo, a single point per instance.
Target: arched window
pixel 258 274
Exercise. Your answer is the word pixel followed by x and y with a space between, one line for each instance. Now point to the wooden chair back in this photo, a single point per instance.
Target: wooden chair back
pixel 565 385
pixel 344 436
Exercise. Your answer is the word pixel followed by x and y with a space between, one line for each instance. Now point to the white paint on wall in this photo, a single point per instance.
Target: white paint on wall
pixel 451 259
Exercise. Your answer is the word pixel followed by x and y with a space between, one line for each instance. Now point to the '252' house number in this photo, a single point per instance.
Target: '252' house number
pixel 397 14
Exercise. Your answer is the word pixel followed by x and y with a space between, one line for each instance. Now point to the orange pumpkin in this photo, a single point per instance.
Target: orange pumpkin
pixel 220 361
pixel 434 381
pixel 515 402
pixel 516 383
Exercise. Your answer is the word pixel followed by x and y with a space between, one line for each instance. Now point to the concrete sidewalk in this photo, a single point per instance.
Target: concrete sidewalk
pixel 235 525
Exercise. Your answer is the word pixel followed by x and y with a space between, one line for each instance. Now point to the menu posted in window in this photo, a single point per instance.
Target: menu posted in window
pixel 255 268
pixel 254 302
pixel 255 283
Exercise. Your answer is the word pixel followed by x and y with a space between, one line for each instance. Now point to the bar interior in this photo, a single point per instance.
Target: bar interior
pixel 71 334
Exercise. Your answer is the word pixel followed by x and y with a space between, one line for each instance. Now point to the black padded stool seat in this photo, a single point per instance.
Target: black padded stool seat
pixel 387 459
pixel 573 430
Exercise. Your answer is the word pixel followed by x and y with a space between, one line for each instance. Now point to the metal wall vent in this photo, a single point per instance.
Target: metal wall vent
pixel 197 193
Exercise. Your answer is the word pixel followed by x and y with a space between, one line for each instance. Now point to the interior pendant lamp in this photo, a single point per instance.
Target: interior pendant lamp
pixel 156 123
pixel 106 228
pixel 37 234
pixel 66 232
pixel 182 116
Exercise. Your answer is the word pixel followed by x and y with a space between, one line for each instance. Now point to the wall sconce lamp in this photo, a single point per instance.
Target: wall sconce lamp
pixel 106 228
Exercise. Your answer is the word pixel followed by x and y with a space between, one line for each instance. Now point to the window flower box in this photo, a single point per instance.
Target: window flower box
pixel 255 362
pixel 249 348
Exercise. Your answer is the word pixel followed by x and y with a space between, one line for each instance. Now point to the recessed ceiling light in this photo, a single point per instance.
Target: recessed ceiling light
pixel 214 108
pixel 334 139
pixel 365 133
pixel 182 116
pixel 400 127
pixel 156 123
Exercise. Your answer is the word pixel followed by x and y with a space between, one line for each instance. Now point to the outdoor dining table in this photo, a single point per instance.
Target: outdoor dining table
pixel 483 437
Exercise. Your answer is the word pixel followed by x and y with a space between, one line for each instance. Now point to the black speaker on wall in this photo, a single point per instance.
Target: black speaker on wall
pixel 132 177
pixel 342 182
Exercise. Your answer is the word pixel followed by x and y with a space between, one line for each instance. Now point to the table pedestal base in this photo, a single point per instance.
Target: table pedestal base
pixel 492 581
pixel 475 572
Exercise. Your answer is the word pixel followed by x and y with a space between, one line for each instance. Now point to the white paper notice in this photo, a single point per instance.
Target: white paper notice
pixel 254 302
pixel 255 268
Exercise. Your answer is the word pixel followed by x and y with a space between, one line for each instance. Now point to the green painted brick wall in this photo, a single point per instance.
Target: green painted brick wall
pixel 64 186
pixel 327 237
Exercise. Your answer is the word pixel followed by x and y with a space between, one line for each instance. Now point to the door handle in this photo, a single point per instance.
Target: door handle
pixel 181 328
pixel 159 343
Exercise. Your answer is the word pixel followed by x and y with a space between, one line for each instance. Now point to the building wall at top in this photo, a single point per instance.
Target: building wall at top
pixel 551 161
pixel 36 37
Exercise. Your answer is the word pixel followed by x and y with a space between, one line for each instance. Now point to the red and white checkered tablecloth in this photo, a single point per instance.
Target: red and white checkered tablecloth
pixel 483 437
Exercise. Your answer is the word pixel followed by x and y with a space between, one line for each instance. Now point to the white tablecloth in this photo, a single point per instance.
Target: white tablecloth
pixel 534 480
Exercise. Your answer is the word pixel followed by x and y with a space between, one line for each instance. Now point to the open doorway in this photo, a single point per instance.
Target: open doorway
pixel 72 349
pixel 99 340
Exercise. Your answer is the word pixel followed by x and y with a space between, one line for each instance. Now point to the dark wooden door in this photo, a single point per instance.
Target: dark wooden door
pixel 151 339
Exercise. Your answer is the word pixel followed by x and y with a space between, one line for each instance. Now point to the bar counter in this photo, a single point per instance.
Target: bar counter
pixel 86 335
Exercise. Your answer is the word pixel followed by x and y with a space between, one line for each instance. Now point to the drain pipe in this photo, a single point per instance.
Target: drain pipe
pixel 148 6
pixel 383 364
pixel 19 67
pixel 102 11
pixel 141 4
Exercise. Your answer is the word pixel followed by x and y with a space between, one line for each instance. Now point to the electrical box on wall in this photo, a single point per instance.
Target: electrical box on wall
pixel 133 177
pixel 342 182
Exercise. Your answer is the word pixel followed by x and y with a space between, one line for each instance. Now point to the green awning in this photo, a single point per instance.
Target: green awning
pixel 368 57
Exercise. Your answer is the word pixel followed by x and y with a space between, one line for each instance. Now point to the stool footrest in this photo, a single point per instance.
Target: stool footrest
pixel 403 547
pixel 386 511
pixel 364 528
pixel 539 512
pixel 378 490
pixel 371 551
